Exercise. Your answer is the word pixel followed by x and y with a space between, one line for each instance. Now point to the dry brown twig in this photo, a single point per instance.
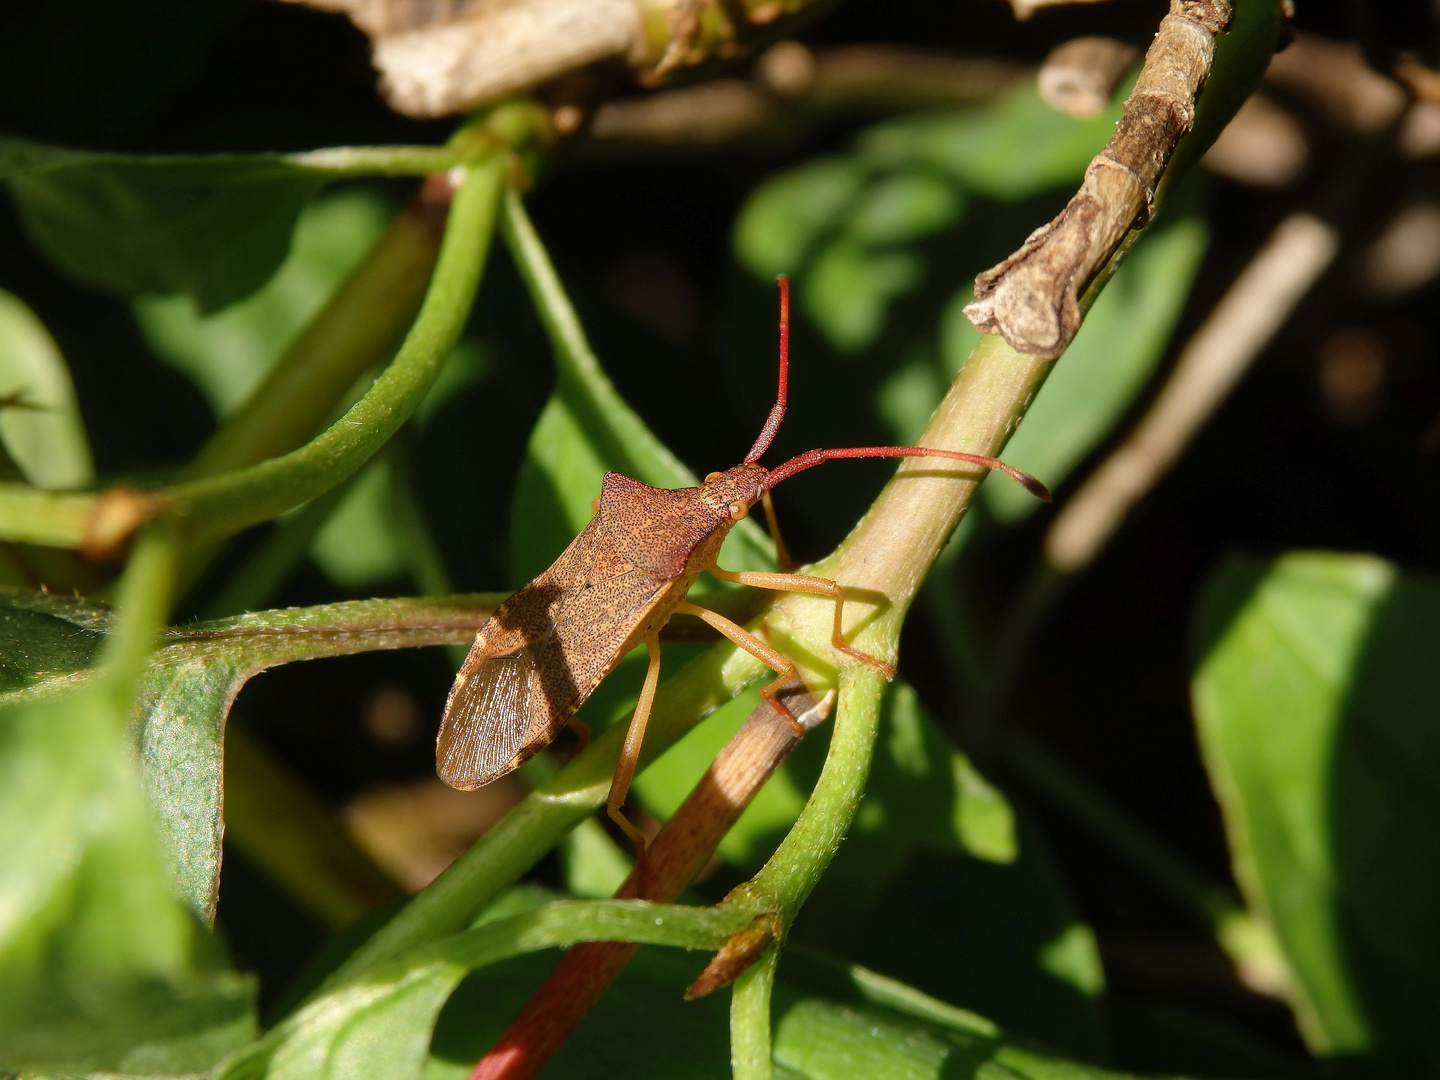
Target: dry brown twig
pixel 792 89
pixel 1032 298
pixel 437 59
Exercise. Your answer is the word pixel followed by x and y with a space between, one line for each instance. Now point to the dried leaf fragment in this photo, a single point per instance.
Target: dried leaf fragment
pixel 446 57
pixel 1032 298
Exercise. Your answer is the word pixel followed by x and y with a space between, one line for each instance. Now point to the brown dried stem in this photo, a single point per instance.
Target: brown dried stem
pixel 677 854
pixel 1032 298
pixel 794 89
pixel 436 60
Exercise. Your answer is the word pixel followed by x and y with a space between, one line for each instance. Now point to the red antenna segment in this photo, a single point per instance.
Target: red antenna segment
pixel 777 411
pixel 811 458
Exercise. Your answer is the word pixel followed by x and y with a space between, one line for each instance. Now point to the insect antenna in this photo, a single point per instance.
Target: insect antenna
pixel 777 411
pixel 811 458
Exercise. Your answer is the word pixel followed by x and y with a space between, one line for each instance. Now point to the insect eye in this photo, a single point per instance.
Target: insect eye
pixel 737 510
pixel 712 476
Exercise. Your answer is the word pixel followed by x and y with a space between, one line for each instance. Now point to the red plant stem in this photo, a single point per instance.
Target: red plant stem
pixel 673 859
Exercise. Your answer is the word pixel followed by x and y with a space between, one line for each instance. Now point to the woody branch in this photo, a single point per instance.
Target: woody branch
pixel 1032 298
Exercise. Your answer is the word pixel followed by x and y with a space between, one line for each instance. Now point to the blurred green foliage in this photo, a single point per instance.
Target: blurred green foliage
pixel 1313 693
pixel 1315 701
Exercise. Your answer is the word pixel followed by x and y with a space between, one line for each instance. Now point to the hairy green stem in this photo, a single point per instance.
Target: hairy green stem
pixel 221 505
pixel 750 1054
pixel 355 331
pixel 785 881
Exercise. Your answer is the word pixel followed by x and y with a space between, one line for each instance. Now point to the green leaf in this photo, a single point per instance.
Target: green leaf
pixel 213 227
pixel 44 636
pixel 361 543
pixel 1010 150
pixel 832 1022
pixel 191 684
pixel 905 206
pixel 1315 701
pixel 848 227
pixel 40 425
pixel 785 217
pixel 381 1025
pixel 228 353
pixel 848 289
pixel 100 965
pixel 1109 362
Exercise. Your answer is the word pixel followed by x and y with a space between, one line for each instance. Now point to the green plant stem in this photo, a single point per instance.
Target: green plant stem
pixel 887 555
pixel 250 587
pixel 142 607
pixel 355 331
pixel 32 516
pixel 750 1053
pixel 792 872
pixel 522 838
pixel 222 505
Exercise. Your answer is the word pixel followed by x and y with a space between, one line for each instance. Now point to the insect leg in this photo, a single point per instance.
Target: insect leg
pixel 815 586
pixel 630 753
pixel 581 730
pixel 782 553
pixel 758 649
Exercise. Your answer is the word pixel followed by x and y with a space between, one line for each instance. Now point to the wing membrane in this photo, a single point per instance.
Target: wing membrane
pixel 494 720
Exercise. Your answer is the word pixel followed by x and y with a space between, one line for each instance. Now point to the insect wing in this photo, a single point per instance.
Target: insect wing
pixel 495 719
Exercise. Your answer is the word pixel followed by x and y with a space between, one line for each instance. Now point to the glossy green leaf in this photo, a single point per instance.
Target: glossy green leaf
pixel 40 425
pixel 1109 362
pixel 213 227
pixel 1315 701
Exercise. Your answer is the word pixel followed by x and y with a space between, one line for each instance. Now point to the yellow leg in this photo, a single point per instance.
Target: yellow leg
pixel 758 649
pixel 582 732
pixel 630 752
pixel 814 586
pixel 782 553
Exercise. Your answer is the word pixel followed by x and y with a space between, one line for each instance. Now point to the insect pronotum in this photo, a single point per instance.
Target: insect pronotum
pixel 614 588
